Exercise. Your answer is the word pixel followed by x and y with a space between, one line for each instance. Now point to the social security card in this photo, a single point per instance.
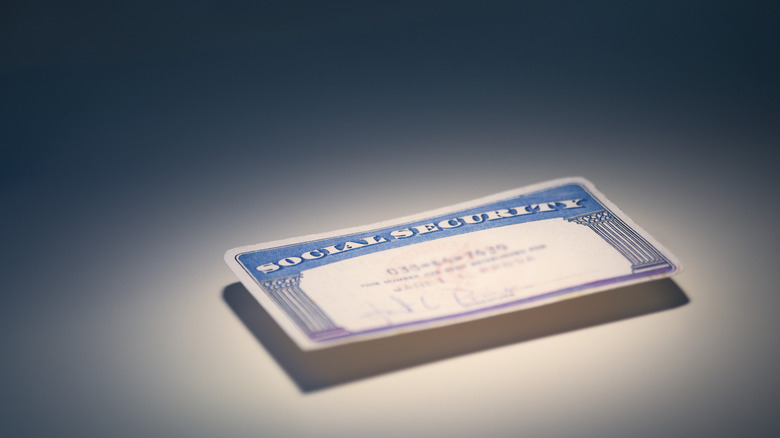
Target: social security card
pixel 501 253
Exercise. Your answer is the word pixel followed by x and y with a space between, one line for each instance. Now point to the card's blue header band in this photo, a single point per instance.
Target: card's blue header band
pixel 559 202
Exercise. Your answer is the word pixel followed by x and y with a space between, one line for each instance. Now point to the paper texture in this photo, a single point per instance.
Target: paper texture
pixel 516 249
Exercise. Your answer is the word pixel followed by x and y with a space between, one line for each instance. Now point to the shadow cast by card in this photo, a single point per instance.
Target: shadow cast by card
pixel 321 369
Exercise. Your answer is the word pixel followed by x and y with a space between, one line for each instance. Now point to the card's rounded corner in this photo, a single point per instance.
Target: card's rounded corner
pixel 231 255
pixel 579 180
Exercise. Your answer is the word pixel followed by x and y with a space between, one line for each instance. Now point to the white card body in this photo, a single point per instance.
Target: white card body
pixel 516 249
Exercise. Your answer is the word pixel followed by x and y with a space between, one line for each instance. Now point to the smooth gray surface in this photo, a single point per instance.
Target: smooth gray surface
pixel 141 142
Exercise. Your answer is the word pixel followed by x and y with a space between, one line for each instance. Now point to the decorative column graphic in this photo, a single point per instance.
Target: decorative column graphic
pixel 642 255
pixel 304 312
